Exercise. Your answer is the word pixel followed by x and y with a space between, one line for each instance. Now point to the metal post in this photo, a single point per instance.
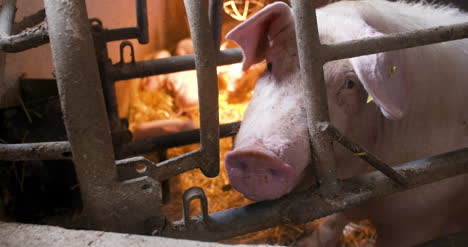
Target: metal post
pixel 205 61
pixel 7 18
pixel 216 21
pixel 309 49
pixel 108 205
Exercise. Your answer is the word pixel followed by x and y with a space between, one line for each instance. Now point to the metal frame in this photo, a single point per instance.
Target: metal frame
pixel 118 198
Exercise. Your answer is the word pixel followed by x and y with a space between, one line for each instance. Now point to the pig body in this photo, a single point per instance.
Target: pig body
pixel 418 111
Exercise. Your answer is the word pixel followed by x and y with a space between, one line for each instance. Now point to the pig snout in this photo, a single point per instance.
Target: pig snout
pixel 259 174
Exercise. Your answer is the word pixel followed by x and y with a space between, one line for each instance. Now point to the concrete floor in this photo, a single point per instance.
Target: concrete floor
pixel 25 235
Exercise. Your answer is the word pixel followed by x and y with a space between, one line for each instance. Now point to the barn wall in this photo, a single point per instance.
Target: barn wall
pixel 167 24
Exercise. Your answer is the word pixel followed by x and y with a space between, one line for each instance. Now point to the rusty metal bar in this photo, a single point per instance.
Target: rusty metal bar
pixel 309 51
pixel 82 103
pixel 364 154
pixel 395 41
pixel 35 151
pixel 108 204
pixel 7 18
pixel 29 21
pixel 451 240
pixel 138 167
pixel 146 68
pixel 216 21
pixel 142 21
pixel 309 205
pixel 205 62
pixel 27 39
pixel 174 140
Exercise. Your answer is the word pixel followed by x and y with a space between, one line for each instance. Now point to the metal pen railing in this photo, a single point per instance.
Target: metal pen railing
pixel 117 197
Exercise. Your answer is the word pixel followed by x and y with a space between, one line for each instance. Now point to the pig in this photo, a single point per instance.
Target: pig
pixel 162 127
pixel 418 110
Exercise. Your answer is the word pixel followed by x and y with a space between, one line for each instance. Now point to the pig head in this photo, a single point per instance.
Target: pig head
pixel 272 146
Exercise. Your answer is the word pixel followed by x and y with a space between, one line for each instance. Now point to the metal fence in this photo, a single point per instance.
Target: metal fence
pixel 117 197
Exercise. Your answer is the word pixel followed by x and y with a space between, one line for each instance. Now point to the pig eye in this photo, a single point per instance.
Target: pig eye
pixel 269 66
pixel 349 84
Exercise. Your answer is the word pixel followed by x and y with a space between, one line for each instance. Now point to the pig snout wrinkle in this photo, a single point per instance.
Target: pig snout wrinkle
pixel 259 175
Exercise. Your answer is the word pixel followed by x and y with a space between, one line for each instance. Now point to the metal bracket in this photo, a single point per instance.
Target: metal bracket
pixel 190 195
pixel 122 49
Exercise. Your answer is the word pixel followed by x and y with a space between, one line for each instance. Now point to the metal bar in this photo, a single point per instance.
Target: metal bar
pixel 138 167
pixel 309 205
pixel 205 61
pixel 107 84
pixel 28 39
pixel 142 21
pixel 216 21
pixel 35 151
pixel 108 204
pixel 452 240
pixel 120 34
pixel 82 103
pixel 364 154
pixel 395 41
pixel 146 68
pixel 29 21
pixel 174 140
pixel 7 18
pixel 309 51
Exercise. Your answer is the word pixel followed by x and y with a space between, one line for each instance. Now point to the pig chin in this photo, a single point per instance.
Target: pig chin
pixel 259 174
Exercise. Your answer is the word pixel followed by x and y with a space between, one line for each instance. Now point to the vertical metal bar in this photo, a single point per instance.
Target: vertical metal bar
pixel 107 83
pixel 142 21
pixel 7 18
pixel 309 49
pixel 82 102
pixel 205 62
pixel 216 20
pixel 108 204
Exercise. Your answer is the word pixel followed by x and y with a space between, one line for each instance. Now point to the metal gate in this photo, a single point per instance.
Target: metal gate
pixel 117 197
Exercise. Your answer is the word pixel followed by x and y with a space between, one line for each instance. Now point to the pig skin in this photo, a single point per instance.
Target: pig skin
pixel 418 111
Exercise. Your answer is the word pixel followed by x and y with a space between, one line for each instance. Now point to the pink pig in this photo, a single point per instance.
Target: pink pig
pixel 418 110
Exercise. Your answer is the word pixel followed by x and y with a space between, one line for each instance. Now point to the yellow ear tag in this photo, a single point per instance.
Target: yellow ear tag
pixel 393 70
pixel 369 99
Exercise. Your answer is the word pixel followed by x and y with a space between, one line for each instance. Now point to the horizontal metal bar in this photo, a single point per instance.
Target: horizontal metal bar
pixel 309 205
pixel 29 21
pixel 174 140
pixel 127 168
pixel 127 71
pixel 451 240
pixel 364 154
pixel 120 34
pixel 36 151
pixel 27 39
pixel 395 41
pixel 62 150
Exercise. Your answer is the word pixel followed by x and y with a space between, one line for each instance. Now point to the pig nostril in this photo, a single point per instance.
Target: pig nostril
pixel 242 166
pixel 274 173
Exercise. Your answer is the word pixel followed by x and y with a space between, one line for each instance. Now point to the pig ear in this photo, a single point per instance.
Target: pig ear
pixel 383 76
pixel 254 35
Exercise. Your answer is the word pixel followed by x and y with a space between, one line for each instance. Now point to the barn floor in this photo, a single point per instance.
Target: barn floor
pixel 25 235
